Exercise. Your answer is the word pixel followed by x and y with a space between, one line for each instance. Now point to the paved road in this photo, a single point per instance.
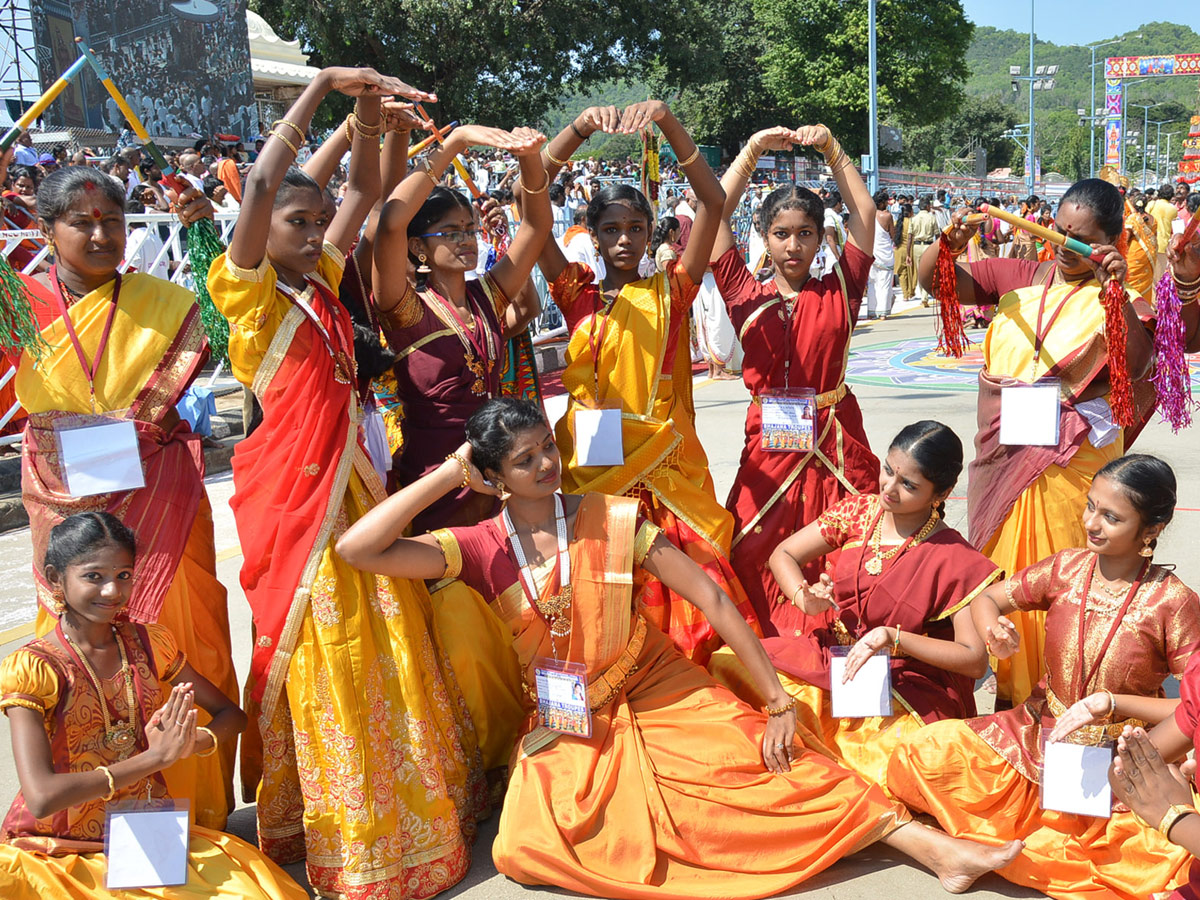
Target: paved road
pixel 894 387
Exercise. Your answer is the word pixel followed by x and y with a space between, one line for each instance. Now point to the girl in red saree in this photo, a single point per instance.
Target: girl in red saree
pixel 1116 626
pixel 669 792
pixel 126 347
pixel 83 735
pixel 368 766
pixel 902 580
pixel 795 333
pixel 629 360
pixel 1049 323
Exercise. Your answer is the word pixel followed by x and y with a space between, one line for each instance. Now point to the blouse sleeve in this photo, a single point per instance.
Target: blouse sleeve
pixel 1032 587
pixel 27 680
pixel 500 301
pixel 840 522
pixel 570 284
pixel 255 310
pixel 736 283
pixel 1182 635
pixel 647 534
pixel 683 289
pixel 1187 713
pixel 404 314
pixel 855 267
pixel 450 550
pixel 169 660
pixel 996 277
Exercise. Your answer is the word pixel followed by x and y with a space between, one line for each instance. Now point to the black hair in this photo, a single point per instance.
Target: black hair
pixel 924 203
pixel 294 179
pixel 1166 191
pixel 1148 482
pixel 786 198
pixel 618 193
pixel 579 217
pixel 1193 202
pixel 662 231
pixel 211 184
pixel 881 198
pixel 493 428
pixel 834 198
pixel 58 190
pixel 17 170
pixel 1104 201
pixel 558 194
pixel 78 535
pixel 441 200
pixel 936 450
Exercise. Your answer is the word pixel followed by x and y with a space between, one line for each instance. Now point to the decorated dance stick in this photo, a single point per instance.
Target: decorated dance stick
pixel 422 146
pixel 1046 234
pixel 40 105
pixel 438 133
pixel 975 219
pixel 1188 232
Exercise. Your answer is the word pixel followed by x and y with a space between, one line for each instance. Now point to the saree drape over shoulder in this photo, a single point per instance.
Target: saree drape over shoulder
pixel 634 355
pixel 1187 717
pixel 1024 502
pixel 980 778
pixel 919 590
pixel 804 342
pixel 153 353
pixel 669 797
pixel 368 761
pixel 62 855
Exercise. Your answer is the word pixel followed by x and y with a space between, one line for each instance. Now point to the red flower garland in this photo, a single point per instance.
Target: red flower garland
pixel 952 337
pixel 1114 297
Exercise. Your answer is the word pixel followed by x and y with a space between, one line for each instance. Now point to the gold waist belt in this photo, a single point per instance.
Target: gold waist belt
pixel 824 400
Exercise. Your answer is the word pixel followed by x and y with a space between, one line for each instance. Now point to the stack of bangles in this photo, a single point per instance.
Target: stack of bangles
pixel 275 133
pixel 835 156
pixel 364 131
pixel 1188 291
pixel 747 161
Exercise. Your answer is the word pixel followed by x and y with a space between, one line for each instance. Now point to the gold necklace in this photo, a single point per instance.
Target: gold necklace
pixel 119 737
pixel 874 566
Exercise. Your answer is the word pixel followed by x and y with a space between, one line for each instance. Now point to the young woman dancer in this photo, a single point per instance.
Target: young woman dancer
pixel 670 788
pixel 629 358
pixel 902 581
pixel 1116 626
pixel 795 333
pixel 98 709
pixel 347 685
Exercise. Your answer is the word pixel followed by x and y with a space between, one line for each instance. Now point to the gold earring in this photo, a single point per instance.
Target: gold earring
pixel 58 603
pixel 500 486
pixel 1147 551
pixel 422 269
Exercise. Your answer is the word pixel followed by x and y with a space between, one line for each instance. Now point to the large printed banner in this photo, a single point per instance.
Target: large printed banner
pixel 1117 67
pixel 1114 94
pixel 183 66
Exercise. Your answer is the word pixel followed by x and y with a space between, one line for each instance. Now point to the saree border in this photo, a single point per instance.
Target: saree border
pixel 277 350
pixel 979 589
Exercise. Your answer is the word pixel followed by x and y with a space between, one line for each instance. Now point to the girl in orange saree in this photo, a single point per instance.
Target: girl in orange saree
pixel 83 735
pixel 127 346
pixel 369 768
pixel 668 793
pixel 1116 627
pixel 629 365
pixel 901 580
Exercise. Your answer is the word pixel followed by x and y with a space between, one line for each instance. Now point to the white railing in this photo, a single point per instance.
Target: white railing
pixel 155 243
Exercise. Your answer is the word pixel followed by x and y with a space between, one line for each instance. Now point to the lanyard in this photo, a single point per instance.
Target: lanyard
pixel 596 342
pixel 481 345
pixel 339 356
pixel 91 369
pixel 1112 631
pixel 1039 335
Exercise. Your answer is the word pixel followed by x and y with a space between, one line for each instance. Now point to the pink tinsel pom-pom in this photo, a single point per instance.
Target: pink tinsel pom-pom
pixel 1172 380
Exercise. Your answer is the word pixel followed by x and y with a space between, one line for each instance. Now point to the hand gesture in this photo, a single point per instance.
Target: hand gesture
pixel 1091 709
pixel 1141 779
pixel 813 135
pixel 399 116
pixel 479 484
pixel 779 739
pixel 1111 266
pixel 964 224
pixel 1002 639
pixel 817 594
pixel 642 115
pixel 606 119
pixel 866 647
pixel 366 82
pixel 1185 258
pixel 171 731
pixel 491 214
pixel 191 206
pixel 486 136
pixel 529 141
pixel 777 138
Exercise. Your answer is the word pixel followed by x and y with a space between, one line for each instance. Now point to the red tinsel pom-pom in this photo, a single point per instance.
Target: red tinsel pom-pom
pixel 1121 397
pixel 952 341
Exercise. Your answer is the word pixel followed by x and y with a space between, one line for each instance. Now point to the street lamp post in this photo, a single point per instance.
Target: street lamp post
pixel 1029 177
pixel 873 113
pixel 1092 123
pixel 1145 107
pixel 1171 134
pixel 1158 150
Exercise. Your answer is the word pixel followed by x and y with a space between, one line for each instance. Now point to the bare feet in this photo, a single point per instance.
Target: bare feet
pixel 958 867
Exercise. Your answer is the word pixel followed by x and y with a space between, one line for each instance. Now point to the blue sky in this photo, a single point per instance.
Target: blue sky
pixel 1062 22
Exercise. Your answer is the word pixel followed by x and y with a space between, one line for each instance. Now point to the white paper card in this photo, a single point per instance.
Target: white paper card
pixel 1075 779
pixel 869 693
pixel 598 440
pixel 99 459
pixel 146 847
pixel 1029 415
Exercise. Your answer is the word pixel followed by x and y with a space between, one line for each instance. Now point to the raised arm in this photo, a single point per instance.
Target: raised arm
pixel 710 198
pixel 738 176
pixel 787 564
pixel 322 164
pixel 249 243
pixel 850 184
pixel 362 186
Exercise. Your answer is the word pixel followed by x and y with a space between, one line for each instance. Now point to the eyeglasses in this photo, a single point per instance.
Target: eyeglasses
pixel 455 237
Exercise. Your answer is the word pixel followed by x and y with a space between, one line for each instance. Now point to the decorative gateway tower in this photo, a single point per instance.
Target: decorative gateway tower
pixel 1189 166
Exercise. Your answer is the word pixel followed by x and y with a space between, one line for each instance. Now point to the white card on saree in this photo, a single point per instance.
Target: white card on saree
pixel 598 439
pixel 1029 414
pixel 101 458
pixel 146 847
pixel 1075 779
pixel 868 693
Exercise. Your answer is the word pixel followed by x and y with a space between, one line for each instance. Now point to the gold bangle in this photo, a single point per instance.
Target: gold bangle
pixel 366 131
pixel 780 710
pixel 1112 705
pixel 112 782
pixel 550 156
pixel 796 592
pixel 824 148
pixel 275 134
pixel 744 168
pixel 428 170
pixel 349 133
pixel 1174 813
pixel 1180 283
pixel 896 642
pixel 211 750
pixel 466 467
pixel 691 159
pixel 292 125
pixel 545 187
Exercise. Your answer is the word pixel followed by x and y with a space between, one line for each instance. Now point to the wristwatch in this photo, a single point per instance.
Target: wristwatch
pixel 1174 813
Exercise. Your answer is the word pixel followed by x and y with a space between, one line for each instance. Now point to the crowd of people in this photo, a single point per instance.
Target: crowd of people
pixel 459 607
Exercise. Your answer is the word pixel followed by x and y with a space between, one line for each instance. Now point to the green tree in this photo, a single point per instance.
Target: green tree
pixel 981 118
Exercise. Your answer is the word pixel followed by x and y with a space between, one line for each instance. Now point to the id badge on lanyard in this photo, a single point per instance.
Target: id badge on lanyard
pixel 99 455
pixel 789 419
pixel 869 693
pixel 562 697
pixel 146 848
pixel 1029 413
pixel 599 440
pixel 1075 778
